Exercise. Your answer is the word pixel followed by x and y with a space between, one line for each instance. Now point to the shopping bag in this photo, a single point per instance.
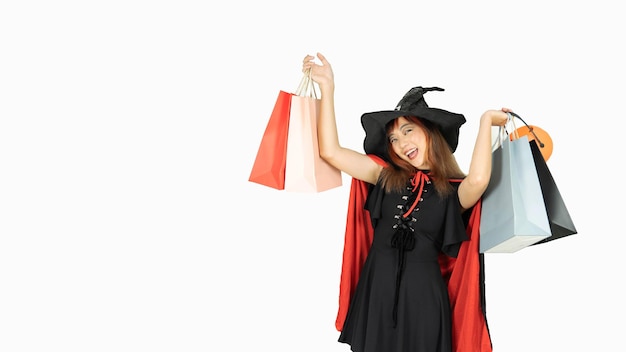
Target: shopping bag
pixel 513 213
pixel 269 166
pixel 305 170
pixel 561 224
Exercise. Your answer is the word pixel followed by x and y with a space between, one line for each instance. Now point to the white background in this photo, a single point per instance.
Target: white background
pixel 128 130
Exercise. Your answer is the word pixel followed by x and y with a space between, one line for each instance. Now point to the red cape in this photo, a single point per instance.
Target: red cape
pixel 469 324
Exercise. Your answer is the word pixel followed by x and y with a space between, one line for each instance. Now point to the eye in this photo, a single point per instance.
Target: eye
pixel 392 139
pixel 408 130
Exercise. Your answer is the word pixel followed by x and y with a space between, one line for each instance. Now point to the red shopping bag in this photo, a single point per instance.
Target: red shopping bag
pixel 288 157
pixel 269 165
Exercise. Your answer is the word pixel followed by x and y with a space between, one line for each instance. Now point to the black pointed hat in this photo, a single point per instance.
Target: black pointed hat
pixel 412 104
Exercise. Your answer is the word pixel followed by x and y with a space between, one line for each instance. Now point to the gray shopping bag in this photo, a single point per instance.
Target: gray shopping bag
pixel 513 210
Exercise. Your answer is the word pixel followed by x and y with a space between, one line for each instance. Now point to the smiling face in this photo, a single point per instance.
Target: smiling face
pixel 409 141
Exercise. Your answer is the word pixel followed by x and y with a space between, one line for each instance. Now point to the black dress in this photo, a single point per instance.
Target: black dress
pixel 401 301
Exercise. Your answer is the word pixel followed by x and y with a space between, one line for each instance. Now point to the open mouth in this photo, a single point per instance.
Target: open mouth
pixel 411 154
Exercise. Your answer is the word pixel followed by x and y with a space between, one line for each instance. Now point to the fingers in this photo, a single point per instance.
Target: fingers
pixel 309 58
pixel 322 58
pixel 307 63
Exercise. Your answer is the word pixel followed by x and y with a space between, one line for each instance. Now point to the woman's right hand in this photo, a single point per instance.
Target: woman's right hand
pixel 321 74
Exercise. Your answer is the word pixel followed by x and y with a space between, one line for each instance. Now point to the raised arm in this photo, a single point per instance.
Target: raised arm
pixel 477 180
pixel 355 164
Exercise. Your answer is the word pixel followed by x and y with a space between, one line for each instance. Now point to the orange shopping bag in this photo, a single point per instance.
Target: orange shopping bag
pixel 269 165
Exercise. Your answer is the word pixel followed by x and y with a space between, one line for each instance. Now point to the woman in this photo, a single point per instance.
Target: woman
pixel 417 200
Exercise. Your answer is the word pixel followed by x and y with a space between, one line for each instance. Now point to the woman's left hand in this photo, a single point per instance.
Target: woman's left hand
pixel 497 117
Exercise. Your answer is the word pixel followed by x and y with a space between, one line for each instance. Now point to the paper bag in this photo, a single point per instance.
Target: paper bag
pixel 269 165
pixel 305 170
pixel 561 224
pixel 513 214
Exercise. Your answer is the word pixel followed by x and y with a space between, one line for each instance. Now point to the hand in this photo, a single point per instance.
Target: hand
pixel 321 74
pixel 497 117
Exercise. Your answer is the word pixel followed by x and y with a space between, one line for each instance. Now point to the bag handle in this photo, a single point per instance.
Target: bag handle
pixel 503 132
pixel 530 129
pixel 306 88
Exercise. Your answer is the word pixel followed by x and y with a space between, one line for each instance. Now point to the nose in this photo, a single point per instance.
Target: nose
pixel 402 140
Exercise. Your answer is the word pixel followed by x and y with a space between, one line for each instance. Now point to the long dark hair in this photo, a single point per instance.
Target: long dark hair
pixel 443 164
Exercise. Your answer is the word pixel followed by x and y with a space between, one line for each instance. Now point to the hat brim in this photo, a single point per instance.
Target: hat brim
pixel 374 124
